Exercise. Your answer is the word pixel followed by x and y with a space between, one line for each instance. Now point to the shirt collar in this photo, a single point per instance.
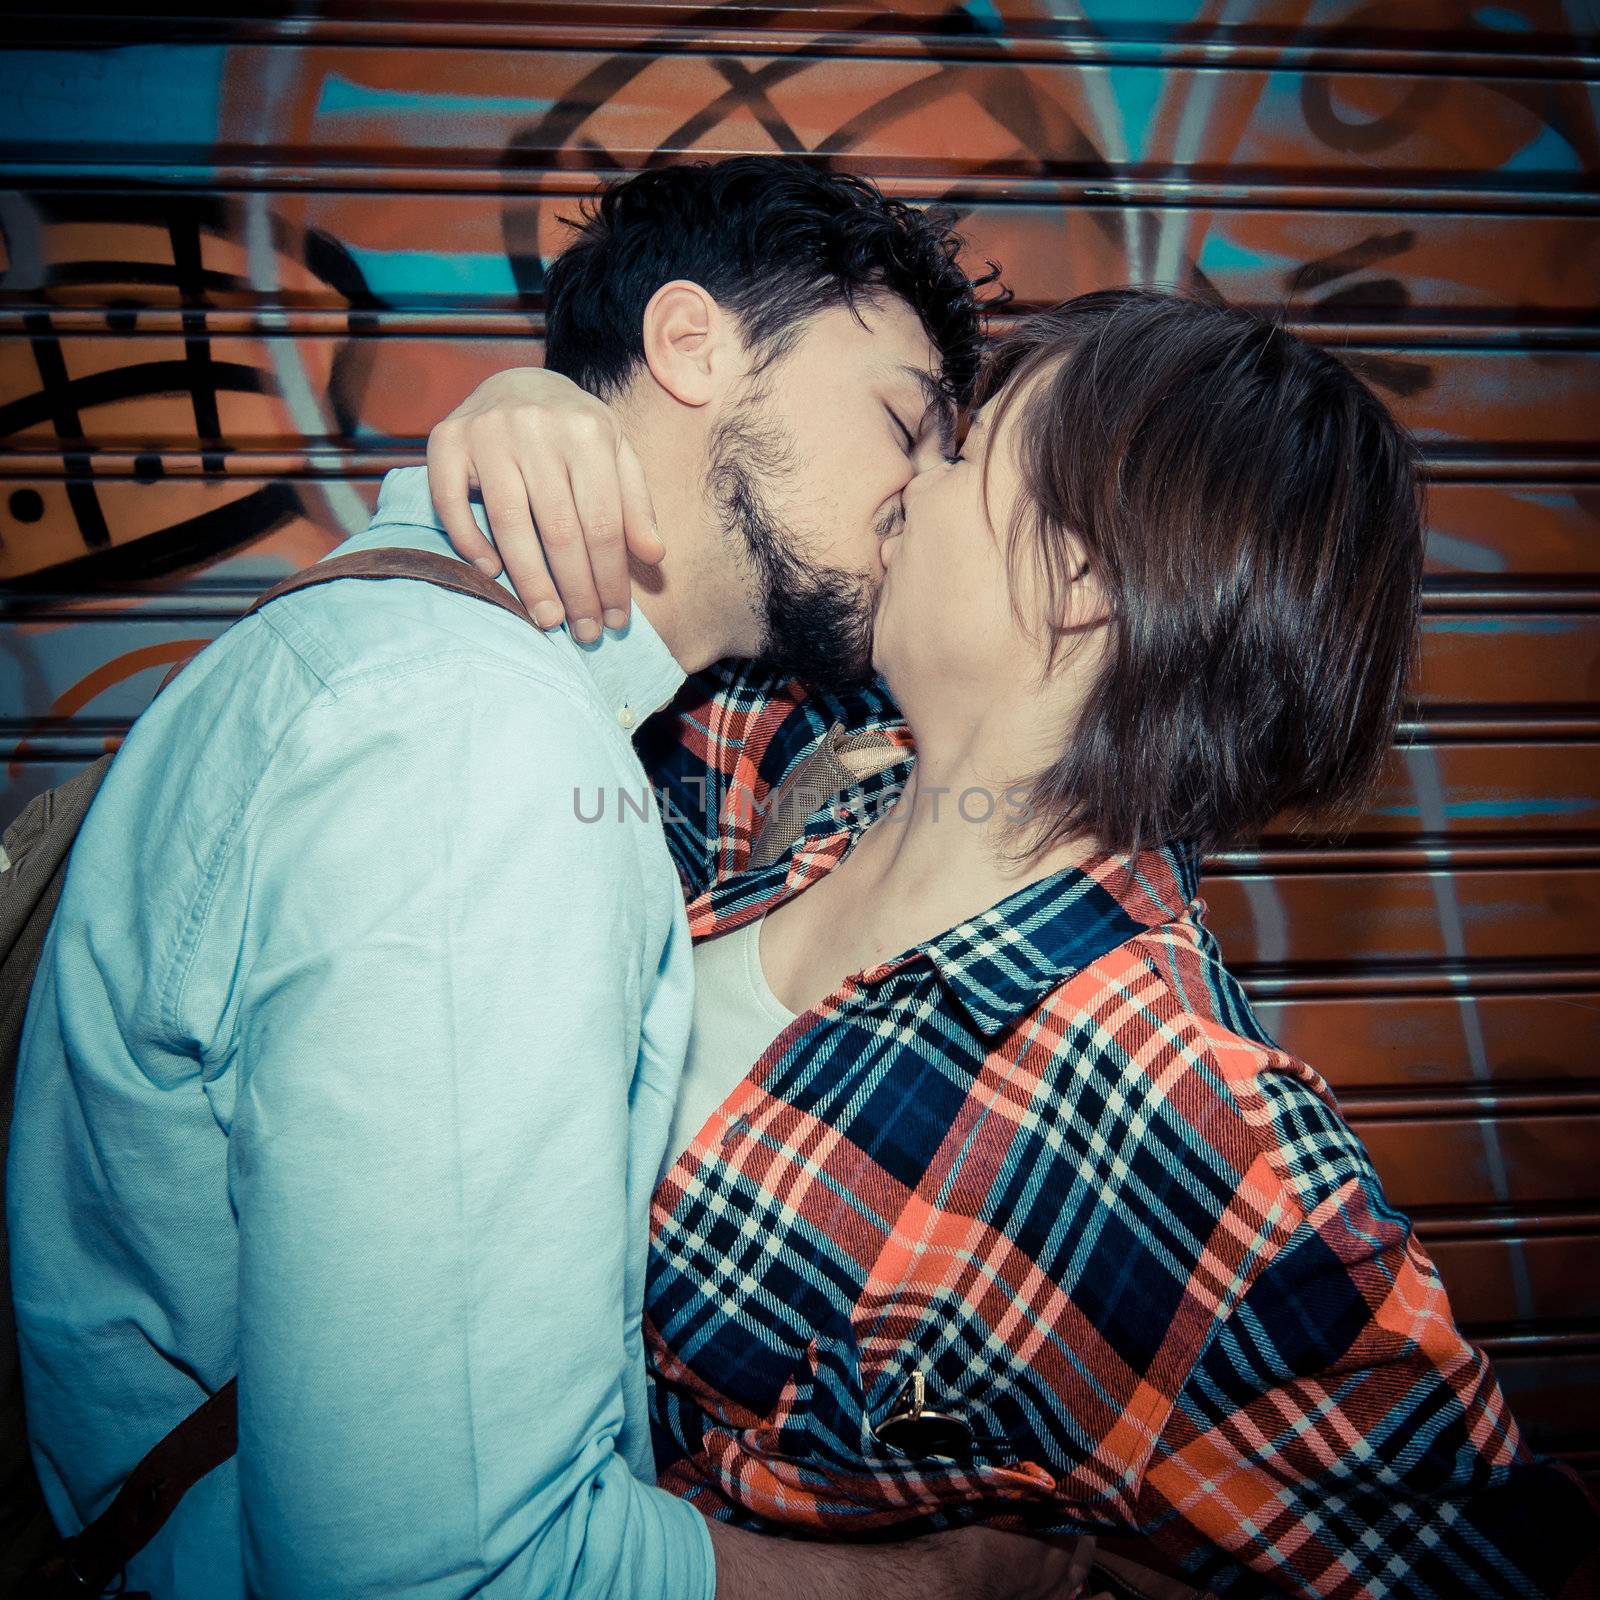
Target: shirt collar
pixel 634 673
pixel 632 668
pixel 1002 962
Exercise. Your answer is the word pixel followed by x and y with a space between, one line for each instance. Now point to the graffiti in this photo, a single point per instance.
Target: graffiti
pixel 244 274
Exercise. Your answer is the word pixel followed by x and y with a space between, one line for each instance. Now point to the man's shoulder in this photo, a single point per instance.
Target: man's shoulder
pixel 346 630
pixel 354 630
pixel 328 679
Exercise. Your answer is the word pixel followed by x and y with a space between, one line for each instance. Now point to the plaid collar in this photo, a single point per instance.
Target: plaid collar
pixel 1000 963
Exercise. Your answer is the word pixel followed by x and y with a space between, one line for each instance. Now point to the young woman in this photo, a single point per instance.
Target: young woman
pixel 989 1197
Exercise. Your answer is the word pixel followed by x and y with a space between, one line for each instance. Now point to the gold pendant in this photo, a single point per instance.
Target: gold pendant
pixel 913 1430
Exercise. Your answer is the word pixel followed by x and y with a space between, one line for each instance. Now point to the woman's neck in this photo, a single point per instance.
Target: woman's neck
pixel 941 856
pixel 951 845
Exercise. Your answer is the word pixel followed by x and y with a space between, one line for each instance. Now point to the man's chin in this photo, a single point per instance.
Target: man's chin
pixel 823 638
pixel 822 673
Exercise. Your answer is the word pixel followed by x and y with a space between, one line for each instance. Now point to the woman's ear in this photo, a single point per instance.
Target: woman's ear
pixel 1079 639
pixel 1084 604
pixel 686 342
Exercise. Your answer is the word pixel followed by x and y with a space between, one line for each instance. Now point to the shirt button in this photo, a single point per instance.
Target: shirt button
pixel 625 717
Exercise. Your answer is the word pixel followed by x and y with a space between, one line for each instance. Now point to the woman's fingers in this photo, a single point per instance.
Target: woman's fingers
pixel 564 496
pixel 639 525
pixel 597 498
pixel 505 503
pixel 450 484
pixel 548 490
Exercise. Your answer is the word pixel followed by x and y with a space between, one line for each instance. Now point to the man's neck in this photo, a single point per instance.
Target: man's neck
pixel 689 627
pixel 698 598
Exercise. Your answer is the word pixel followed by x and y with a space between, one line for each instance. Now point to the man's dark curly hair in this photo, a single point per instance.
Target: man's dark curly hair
pixel 775 241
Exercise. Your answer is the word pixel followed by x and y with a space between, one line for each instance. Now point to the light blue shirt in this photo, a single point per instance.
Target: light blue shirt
pixel 349 1068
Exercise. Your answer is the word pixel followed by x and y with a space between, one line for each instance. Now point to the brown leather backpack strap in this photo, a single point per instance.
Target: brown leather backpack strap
pixel 427 566
pixel 88 1562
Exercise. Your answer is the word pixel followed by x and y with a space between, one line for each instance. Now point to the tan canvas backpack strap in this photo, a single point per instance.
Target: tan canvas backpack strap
pixel 838 764
pixel 427 566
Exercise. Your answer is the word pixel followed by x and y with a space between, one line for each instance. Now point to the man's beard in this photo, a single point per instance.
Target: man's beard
pixel 817 621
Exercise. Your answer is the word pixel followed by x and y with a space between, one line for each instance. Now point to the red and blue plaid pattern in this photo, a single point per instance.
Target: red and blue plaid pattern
pixel 1051 1162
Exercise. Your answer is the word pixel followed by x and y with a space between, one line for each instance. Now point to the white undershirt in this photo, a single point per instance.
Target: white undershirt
pixel 736 1016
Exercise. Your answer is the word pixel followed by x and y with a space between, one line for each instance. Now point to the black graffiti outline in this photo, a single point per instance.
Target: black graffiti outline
pixel 217 531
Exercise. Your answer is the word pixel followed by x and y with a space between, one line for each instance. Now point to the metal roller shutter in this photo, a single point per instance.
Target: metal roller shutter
pixel 248 263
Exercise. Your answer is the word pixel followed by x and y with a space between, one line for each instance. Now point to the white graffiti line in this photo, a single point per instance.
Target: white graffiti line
pixel 1423 769
pixel 306 408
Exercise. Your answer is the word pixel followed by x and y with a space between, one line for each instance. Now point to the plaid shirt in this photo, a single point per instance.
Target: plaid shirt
pixel 1050 1161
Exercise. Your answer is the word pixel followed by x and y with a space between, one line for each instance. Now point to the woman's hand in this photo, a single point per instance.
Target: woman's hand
pixel 565 496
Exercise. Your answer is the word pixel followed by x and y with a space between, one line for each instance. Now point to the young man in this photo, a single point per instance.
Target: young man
pixel 353 1049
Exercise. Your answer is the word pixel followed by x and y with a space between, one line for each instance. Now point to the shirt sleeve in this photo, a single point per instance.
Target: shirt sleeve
pixel 1339 1437
pixel 429 1158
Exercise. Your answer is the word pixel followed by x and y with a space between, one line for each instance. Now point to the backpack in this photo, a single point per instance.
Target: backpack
pixel 34 1563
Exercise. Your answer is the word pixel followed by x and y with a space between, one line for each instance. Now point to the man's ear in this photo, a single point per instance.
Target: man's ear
pixel 690 344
